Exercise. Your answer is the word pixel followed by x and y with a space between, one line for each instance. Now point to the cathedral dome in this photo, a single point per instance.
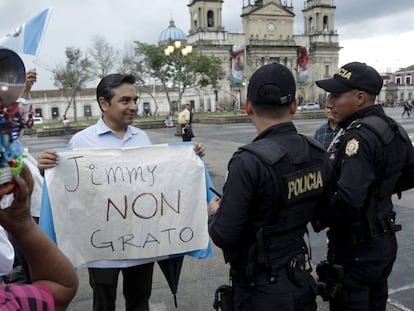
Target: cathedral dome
pixel 171 34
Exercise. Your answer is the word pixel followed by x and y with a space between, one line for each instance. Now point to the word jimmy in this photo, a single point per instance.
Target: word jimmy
pixel 114 175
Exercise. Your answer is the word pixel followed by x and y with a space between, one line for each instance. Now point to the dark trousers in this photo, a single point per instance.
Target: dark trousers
pixel 185 134
pixel 365 286
pixel 280 295
pixel 137 286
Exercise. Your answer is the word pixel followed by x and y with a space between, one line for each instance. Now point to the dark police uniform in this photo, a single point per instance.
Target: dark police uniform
pixel 374 159
pixel 274 187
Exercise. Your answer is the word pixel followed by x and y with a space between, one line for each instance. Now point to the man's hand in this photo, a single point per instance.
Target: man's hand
pixel 31 77
pixel 213 205
pixel 199 149
pixel 47 159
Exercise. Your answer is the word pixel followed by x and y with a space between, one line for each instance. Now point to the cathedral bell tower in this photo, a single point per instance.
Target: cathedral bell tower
pixel 205 16
pixel 319 17
pixel 323 43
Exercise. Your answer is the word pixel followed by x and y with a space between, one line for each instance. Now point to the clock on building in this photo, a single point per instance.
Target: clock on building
pixel 271 26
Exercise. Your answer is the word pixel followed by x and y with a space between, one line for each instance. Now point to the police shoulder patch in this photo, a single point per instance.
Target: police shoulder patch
pixel 352 147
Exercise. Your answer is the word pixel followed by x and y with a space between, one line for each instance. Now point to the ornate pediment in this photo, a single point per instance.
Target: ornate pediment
pixel 271 8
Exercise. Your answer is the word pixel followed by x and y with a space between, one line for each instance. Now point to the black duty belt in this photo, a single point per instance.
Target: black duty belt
pixel 260 278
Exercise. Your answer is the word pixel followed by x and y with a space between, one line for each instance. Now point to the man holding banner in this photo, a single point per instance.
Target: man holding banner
pixel 117 99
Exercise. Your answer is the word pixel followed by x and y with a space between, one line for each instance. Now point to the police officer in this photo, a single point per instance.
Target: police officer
pixel 374 158
pixel 275 186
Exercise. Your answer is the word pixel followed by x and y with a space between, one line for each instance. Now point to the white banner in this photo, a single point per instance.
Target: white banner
pixel 128 203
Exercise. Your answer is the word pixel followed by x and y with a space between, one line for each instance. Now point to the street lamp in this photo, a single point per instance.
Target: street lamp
pixel 178 64
pixel 177 45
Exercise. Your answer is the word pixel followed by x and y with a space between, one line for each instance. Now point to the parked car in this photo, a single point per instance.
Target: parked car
pixel 309 106
pixel 37 120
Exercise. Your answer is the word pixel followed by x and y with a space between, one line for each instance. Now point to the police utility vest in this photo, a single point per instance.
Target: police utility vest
pixel 378 218
pixel 299 179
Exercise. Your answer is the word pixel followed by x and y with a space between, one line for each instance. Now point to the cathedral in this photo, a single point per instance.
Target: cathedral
pixel 268 36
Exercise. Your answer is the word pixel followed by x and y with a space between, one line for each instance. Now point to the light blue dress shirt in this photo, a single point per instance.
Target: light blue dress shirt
pixel 101 136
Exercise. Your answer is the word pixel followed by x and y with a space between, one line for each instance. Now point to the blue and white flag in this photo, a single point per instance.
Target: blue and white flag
pixel 27 37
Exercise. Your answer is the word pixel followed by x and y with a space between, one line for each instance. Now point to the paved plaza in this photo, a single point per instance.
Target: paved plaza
pixel 199 278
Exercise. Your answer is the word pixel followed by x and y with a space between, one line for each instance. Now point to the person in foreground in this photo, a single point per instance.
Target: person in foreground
pixel 54 279
pixel 20 273
pixel 117 99
pixel 275 186
pixel 374 158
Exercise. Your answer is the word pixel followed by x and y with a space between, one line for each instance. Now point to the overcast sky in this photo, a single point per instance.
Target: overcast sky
pixel 380 33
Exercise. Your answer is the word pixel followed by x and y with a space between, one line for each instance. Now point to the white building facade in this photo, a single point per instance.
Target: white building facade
pixel 267 37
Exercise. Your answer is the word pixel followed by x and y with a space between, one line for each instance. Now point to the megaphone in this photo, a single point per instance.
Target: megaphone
pixel 12 77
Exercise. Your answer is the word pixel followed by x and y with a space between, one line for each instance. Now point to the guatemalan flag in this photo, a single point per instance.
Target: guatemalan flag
pixel 27 37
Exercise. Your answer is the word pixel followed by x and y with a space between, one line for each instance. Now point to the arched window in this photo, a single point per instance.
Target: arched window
pixel 310 24
pixel 325 23
pixel 210 19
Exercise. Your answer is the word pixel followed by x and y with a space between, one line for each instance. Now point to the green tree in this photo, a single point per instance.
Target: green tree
pixel 73 76
pixel 177 71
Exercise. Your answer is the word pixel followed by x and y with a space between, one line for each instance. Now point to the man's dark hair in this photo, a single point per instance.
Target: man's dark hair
pixel 108 83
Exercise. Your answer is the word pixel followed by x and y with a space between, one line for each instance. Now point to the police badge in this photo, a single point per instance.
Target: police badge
pixel 352 147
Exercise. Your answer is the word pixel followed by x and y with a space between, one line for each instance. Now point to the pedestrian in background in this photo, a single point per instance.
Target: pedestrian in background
pixel 327 131
pixel 407 109
pixel 185 120
pixel 66 125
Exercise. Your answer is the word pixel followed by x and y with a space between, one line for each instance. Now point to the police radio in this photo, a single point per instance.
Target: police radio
pixel 14 117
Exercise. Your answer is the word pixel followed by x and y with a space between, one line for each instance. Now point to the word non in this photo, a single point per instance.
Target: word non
pixel 144 206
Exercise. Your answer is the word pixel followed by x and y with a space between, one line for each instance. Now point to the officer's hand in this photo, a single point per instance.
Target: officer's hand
pixel 199 149
pixel 213 205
